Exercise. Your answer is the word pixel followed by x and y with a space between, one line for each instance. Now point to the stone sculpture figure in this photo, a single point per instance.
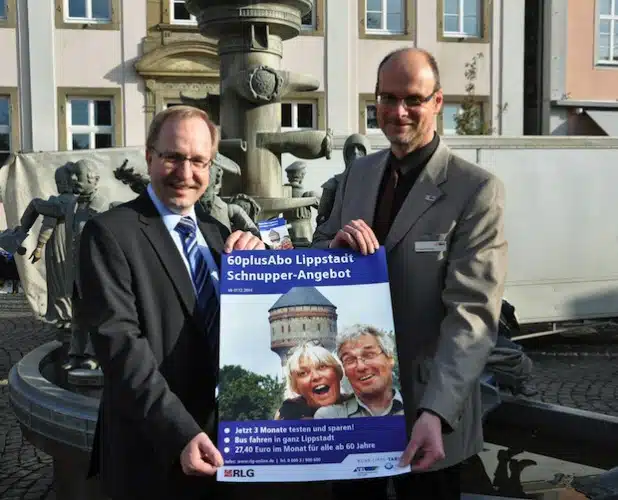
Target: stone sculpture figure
pixel 52 236
pixel 355 146
pixel 129 176
pixel 231 215
pixel 301 230
pixel 65 216
pixel 86 180
pixel 248 204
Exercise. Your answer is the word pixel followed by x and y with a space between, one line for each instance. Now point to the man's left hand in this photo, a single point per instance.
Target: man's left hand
pixel 243 240
pixel 426 438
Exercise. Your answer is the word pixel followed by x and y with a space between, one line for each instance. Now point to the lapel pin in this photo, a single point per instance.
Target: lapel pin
pixel 430 198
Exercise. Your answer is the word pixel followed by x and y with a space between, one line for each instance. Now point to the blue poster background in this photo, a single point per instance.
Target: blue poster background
pixel 311 448
pixel 327 441
pixel 271 272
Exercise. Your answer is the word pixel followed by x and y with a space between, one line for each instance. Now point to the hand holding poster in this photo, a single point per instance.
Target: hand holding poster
pixel 309 385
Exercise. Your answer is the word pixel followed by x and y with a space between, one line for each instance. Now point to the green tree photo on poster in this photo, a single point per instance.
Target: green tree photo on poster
pixel 244 395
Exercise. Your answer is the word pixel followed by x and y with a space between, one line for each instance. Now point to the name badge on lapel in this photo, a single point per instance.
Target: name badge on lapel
pixel 430 246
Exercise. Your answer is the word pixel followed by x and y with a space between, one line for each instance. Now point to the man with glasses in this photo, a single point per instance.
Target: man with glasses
pixel 368 358
pixel 440 219
pixel 150 300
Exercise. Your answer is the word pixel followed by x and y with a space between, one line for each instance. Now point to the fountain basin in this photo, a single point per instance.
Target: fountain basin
pixel 56 420
pixel 220 17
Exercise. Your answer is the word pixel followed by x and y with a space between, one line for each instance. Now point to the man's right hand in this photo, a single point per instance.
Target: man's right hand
pixel 357 235
pixel 35 256
pixel 200 457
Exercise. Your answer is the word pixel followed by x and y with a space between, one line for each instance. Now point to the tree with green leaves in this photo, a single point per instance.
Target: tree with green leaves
pixel 469 120
pixel 245 395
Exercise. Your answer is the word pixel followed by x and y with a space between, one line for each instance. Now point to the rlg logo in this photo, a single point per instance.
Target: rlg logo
pixel 238 473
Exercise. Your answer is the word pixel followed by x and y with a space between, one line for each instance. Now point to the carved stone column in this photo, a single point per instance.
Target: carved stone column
pixel 250 45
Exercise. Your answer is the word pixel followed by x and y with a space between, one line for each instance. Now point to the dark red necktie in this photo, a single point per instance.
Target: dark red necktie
pixel 384 210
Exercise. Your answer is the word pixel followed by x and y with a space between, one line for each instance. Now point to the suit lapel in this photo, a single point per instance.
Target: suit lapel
pixel 362 188
pixel 167 251
pixel 422 196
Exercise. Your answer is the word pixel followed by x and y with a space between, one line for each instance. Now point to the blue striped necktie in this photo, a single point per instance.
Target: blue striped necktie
pixel 204 287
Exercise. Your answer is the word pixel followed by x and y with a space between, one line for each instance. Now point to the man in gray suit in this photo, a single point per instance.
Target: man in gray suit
pixel 440 218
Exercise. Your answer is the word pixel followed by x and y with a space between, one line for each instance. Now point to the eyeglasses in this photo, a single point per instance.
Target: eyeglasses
pixel 173 159
pixel 350 361
pixel 411 101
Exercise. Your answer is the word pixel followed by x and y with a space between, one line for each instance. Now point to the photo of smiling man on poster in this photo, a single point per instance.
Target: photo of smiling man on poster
pixel 368 358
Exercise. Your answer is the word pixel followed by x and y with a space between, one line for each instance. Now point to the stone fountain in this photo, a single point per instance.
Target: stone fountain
pixel 250 43
pixel 58 408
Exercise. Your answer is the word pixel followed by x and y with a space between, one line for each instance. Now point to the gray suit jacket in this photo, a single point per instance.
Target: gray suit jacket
pixel 446 301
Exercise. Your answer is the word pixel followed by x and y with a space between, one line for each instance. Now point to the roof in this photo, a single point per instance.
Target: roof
pixel 302 296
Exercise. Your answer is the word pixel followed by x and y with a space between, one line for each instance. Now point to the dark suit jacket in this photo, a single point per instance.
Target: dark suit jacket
pixel 160 373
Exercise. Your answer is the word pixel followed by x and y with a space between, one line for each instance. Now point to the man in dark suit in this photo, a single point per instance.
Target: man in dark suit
pixel 441 220
pixel 149 273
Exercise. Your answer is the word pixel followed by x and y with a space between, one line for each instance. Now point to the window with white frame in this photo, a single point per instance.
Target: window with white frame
pixel 384 16
pixel 180 14
pixel 91 11
pixel 371 119
pixel 607 40
pixel 5 125
pixel 90 123
pixel 449 112
pixel 463 18
pixel 308 20
pixel 3 9
pixel 298 115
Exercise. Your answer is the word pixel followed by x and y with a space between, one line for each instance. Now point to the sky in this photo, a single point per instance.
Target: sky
pixel 245 330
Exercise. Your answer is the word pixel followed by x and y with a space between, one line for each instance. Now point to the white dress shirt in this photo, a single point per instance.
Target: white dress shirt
pixel 171 220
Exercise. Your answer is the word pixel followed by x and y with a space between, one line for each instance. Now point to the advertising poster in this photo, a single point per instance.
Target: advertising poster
pixel 275 234
pixel 309 379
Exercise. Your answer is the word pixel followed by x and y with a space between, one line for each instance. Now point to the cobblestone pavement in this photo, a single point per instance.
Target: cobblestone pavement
pixel 570 375
pixel 584 382
pixel 25 472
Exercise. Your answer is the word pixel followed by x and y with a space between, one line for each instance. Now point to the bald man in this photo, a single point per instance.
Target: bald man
pixel 440 218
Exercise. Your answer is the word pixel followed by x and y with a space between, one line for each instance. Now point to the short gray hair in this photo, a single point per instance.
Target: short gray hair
pixel 181 112
pixel 313 353
pixel 354 332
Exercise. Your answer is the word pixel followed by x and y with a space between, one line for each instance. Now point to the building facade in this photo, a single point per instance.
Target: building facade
pixel 92 73
pixel 574 63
